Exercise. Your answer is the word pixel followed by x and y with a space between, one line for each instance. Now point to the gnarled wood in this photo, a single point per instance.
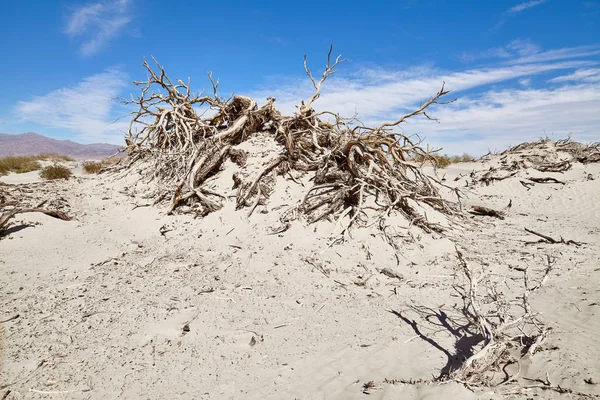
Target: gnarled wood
pixel 180 149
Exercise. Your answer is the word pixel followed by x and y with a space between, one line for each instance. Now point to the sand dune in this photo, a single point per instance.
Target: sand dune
pixel 127 302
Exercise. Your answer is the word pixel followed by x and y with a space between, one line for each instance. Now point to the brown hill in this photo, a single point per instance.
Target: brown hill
pixel 32 143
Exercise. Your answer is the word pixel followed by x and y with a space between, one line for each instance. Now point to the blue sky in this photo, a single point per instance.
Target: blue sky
pixel 520 69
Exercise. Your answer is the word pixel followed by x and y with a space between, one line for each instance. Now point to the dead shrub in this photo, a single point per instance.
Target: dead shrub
pixel 355 168
pixel 495 330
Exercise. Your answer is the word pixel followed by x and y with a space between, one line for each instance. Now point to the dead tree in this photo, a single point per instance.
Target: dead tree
pixel 354 167
pixel 505 332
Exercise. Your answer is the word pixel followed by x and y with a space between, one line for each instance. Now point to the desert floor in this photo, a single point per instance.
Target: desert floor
pixel 127 302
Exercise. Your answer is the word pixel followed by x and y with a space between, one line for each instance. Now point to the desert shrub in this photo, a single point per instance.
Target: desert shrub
pixel 442 161
pixel 118 159
pixel 438 160
pixel 53 172
pixel 464 158
pixel 467 158
pixel 92 167
pixel 22 164
pixel 54 157
pixel 18 164
pixel 420 158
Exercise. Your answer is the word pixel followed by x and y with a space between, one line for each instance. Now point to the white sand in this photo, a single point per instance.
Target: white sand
pixel 102 300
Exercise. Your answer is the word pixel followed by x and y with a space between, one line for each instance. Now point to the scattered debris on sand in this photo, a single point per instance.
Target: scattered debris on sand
pixel 544 155
pixel 240 253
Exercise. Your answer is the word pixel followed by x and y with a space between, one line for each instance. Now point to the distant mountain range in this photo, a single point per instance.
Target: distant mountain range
pixel 32 143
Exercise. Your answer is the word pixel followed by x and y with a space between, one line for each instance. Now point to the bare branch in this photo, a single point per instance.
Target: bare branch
pixel 329 70
pixel 500 330
pixel 420 110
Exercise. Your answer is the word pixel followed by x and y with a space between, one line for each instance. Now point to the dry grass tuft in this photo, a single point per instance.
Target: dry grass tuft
pixel 444 160
pixel 53 172
pixel 22 164
pixel 54 157
pixel 467 158
pixel 18 164
pixel 437 160
pixel 92 167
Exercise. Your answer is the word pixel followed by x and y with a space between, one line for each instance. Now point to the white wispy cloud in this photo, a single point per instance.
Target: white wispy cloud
pixel 379 97
pixel 86 108
pixel 497 119
pixel 524 51
pixel 98 23
pixel 581 75
pixel 487 114
pixel 511 12
pixel 523 47
pixel 559 54
pixel 498 105
pixel 525 82
pixel 525 5
pixel 516 48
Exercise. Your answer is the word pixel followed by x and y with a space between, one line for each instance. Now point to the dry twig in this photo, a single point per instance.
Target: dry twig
pixel 546 238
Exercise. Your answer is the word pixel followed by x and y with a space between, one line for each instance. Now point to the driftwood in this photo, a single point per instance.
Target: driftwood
pixel 546 238
pixel 391 274
pixel 547 385
pixel 554 167
pixel 7 215
pixel 489 177
pixel 546 180
pixel 479 210
pixel 527 185
pixel 354 167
